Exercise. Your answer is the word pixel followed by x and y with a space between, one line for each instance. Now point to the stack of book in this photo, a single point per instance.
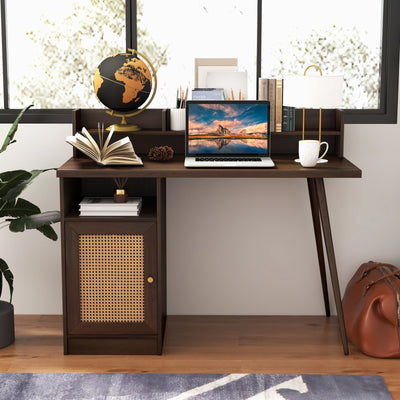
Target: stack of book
pixel 282 118
pixel 107 207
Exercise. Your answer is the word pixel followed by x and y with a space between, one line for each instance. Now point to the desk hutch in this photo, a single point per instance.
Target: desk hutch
pixel 114 268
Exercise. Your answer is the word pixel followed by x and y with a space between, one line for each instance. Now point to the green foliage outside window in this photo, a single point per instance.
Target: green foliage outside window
pixel 337 51
pixel 62 74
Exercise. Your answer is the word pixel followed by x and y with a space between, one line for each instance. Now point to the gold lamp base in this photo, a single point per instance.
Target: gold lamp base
pixel 320 110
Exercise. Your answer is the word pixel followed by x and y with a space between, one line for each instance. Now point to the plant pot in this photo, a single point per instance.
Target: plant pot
pixel 6 324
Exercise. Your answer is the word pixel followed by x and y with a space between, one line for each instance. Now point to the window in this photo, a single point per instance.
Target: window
pixel 51 51
pixel 55 49
pixel 340 43
pixel 200 29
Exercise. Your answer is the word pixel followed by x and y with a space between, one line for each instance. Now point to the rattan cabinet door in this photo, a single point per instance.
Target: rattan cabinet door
pixel 111 278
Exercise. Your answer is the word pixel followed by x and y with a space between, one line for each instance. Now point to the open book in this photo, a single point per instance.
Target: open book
pixel 119 152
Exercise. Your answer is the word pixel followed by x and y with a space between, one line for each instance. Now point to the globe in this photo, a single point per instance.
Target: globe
pixel 123 82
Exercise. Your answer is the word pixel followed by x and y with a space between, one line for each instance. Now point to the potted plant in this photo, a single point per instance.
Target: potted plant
pixel 18 214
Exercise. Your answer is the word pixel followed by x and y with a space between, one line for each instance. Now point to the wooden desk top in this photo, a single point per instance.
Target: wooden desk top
pixel 285 168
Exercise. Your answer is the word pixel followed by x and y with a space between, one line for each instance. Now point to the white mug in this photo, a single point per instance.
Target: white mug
pixel 309 152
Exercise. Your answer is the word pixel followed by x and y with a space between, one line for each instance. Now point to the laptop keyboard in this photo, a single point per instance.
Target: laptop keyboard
pixel 232 159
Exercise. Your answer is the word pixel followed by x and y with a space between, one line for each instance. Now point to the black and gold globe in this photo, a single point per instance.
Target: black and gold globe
pixel 123 83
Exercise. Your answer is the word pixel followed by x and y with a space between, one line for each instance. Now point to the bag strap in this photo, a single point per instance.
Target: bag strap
pixel 376 265
pixel 394 273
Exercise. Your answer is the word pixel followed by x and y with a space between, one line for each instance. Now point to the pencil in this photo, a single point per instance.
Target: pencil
pixel 186 94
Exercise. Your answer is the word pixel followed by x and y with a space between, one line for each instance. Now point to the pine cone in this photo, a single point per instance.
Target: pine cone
pixel 161 153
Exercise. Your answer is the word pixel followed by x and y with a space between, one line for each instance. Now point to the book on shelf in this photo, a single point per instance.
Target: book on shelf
pixel 120 152
pixel 272 103
pixel 99 213
pixel 288 119
pixel 208 94
pixel 278 104
pixel 106 206
pixel 263 89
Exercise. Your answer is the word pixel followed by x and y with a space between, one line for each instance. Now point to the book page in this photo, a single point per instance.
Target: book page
pixel 114 147
pixel 121 159
pixel 91 140
pixel 82 144
pixel 106 143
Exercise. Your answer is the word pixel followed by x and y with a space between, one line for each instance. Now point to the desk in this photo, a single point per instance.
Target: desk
pixel 80 176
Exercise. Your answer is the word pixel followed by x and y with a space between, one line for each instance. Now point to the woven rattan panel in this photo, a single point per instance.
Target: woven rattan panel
pixel 111 277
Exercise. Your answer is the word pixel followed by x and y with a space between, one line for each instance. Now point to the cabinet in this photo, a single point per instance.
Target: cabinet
pixel 113 270
pixel 113 267
pixel 111 284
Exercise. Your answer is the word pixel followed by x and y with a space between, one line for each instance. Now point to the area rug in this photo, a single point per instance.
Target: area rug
pixel 191 386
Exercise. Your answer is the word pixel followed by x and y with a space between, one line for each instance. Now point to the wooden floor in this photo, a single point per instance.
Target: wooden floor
pixel 199 344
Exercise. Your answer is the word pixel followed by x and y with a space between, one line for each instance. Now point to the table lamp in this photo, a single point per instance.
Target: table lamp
pixel 315 91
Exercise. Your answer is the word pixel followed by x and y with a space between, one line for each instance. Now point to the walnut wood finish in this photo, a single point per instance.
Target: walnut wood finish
pixel 318 240
pixel 114 338
pixel 155 130
pixel 326 228
pixel 81 176
pixel 285 168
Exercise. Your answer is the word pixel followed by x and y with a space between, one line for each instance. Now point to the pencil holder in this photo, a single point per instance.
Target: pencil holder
pixel 178 119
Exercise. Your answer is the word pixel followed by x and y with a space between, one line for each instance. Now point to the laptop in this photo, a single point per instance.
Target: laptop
pixel 227 134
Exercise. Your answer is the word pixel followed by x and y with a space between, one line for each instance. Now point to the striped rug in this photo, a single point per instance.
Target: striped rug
pixel 190 386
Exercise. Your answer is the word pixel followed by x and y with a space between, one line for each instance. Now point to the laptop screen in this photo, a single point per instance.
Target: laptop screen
pixel 227 128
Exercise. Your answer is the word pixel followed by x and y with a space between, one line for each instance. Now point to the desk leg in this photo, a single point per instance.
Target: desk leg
pixel 326 228
pixel 312 190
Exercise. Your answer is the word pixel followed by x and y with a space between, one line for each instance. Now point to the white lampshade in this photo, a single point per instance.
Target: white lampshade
pixel 313 91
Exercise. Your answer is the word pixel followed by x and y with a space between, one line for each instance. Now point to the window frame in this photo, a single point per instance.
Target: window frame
pixel 386 114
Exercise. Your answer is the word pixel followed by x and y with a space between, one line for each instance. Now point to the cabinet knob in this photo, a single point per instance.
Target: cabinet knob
pixel 150 279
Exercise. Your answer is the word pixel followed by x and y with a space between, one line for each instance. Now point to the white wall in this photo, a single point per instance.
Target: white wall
pixel 34 259
pixel 235 246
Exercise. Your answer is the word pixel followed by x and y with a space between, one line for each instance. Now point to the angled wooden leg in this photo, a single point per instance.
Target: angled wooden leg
pixel 326 228
pixel 312 190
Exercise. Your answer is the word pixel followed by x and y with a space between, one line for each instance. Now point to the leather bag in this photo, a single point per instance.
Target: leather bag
pixel 371 308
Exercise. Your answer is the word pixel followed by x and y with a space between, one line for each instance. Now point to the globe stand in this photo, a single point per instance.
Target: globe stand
pixel 124 126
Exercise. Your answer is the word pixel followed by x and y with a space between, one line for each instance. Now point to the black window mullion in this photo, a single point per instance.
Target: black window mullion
pixel 389 85
pixel 259 43
pixel 4 54
pixel 131 24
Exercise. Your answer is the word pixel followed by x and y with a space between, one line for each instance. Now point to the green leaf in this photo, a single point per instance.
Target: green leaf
pixel 48 231
pixel 35 221
pixel 10 182
pixel 9 277
pixel 20 208
pixel 13 183
pixel 10 136
pixel 36 172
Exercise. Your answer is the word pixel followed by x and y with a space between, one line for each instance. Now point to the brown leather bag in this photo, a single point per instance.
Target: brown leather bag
pixel 371 308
